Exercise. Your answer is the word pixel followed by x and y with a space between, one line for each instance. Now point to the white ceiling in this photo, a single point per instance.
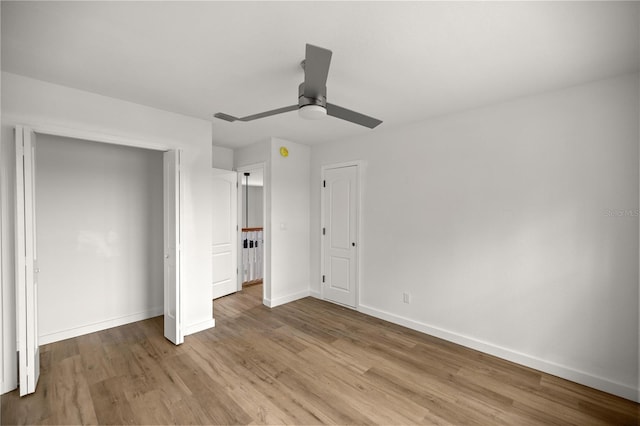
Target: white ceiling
pixel 397 61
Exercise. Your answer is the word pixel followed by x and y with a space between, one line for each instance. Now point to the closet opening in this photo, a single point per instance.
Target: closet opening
pixel 97 239
pixel 99 210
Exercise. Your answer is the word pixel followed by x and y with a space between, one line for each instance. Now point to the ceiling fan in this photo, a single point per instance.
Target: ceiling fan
pixel 312 94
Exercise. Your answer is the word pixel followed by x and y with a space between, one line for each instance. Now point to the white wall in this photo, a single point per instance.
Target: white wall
pixel 286 186
pixel 290 181
pixel 514 228
pixel 29 101
pixel 222 158
pixel 99 232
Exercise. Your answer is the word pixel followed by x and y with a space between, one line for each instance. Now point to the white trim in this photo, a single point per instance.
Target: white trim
pixel 2 324
pixel 359 165
pixel 98 326
pixel 272 303
pixel 315 294
pixel 88 135
pixel 200 326
pixel 8 386
pixel 549 367
pixel 20 258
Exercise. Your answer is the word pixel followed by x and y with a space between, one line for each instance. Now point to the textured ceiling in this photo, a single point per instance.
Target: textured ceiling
pixel 398 61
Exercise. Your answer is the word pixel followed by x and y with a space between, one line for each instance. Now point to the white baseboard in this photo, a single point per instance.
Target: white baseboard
pixel 98 326
pixel 9 372
pixel 200 326
pixel 6 387
pixel 272 303
pixel 562 371
pixel 315 294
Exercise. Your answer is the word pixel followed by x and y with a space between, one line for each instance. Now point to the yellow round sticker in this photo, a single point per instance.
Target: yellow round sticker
pixel 284 151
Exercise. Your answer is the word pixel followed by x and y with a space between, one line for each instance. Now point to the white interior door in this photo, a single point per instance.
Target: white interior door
pixel 172 300
pixel 340 234
pixel 26 262
pixel 225 225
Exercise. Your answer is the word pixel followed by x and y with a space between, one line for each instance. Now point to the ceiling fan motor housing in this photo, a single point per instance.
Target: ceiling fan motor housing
pixel 320 99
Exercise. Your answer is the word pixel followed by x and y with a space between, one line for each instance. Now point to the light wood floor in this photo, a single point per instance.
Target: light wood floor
pixel 307 362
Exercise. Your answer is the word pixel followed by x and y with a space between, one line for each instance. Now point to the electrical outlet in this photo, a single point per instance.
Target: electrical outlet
pixel 406 297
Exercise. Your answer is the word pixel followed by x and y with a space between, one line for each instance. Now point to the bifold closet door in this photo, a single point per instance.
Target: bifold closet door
pixel 26 262
pixel 172 300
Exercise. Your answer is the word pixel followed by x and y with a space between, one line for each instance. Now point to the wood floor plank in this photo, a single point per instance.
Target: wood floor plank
pixel 110 403
pixel 69 391
pixel 257 405
pixel 306 362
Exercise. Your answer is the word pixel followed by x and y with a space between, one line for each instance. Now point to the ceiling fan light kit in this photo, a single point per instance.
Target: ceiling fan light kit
pixel 312 94
pixel 312 112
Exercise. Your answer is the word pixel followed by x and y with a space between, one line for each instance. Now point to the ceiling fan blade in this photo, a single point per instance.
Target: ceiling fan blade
pixel 231 118
pixel 352 116
pixel 316 70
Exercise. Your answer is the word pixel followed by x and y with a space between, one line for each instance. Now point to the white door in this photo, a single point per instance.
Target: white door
pixel 26 262
pixel 172 300
pixel 225 222
pixel 340 235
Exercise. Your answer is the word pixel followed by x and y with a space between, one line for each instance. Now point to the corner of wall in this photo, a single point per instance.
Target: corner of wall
pixel 221 157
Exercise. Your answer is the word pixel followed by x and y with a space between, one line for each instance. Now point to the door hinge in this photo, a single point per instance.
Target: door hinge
pixel 324 231
pixel 323 278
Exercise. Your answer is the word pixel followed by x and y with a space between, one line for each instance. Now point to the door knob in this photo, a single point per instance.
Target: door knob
pixel 353 244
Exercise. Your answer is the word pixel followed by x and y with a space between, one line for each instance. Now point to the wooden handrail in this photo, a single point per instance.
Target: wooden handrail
pixel 251 229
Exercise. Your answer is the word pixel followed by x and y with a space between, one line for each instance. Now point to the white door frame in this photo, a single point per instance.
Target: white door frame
pixel 3 374
pixel 359 165
pixel 92 137
pixel 266 222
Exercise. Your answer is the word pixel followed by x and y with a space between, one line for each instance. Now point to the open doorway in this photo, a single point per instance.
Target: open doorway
pixel 252 233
